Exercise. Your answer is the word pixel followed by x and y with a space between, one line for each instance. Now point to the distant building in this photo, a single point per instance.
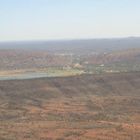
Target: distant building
pixel 102 65
pixel 77 65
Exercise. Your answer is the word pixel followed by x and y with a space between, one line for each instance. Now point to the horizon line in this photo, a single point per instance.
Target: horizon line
pixel 65 39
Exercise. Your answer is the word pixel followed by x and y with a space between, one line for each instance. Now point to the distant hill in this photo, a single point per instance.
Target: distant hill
pixel 131 54
pixel 76 46
pixel 12 59
pixel 84 53
pixel 23 59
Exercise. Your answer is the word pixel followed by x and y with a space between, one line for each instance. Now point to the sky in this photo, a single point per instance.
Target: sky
pixel 68 19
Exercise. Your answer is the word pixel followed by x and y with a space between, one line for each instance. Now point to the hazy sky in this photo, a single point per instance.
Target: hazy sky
pixel 68 19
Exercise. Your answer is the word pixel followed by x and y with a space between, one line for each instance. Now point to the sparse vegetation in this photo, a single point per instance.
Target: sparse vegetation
pixel 77 107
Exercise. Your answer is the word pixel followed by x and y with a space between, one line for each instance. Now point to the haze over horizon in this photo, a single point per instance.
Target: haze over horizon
pixel 75 19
